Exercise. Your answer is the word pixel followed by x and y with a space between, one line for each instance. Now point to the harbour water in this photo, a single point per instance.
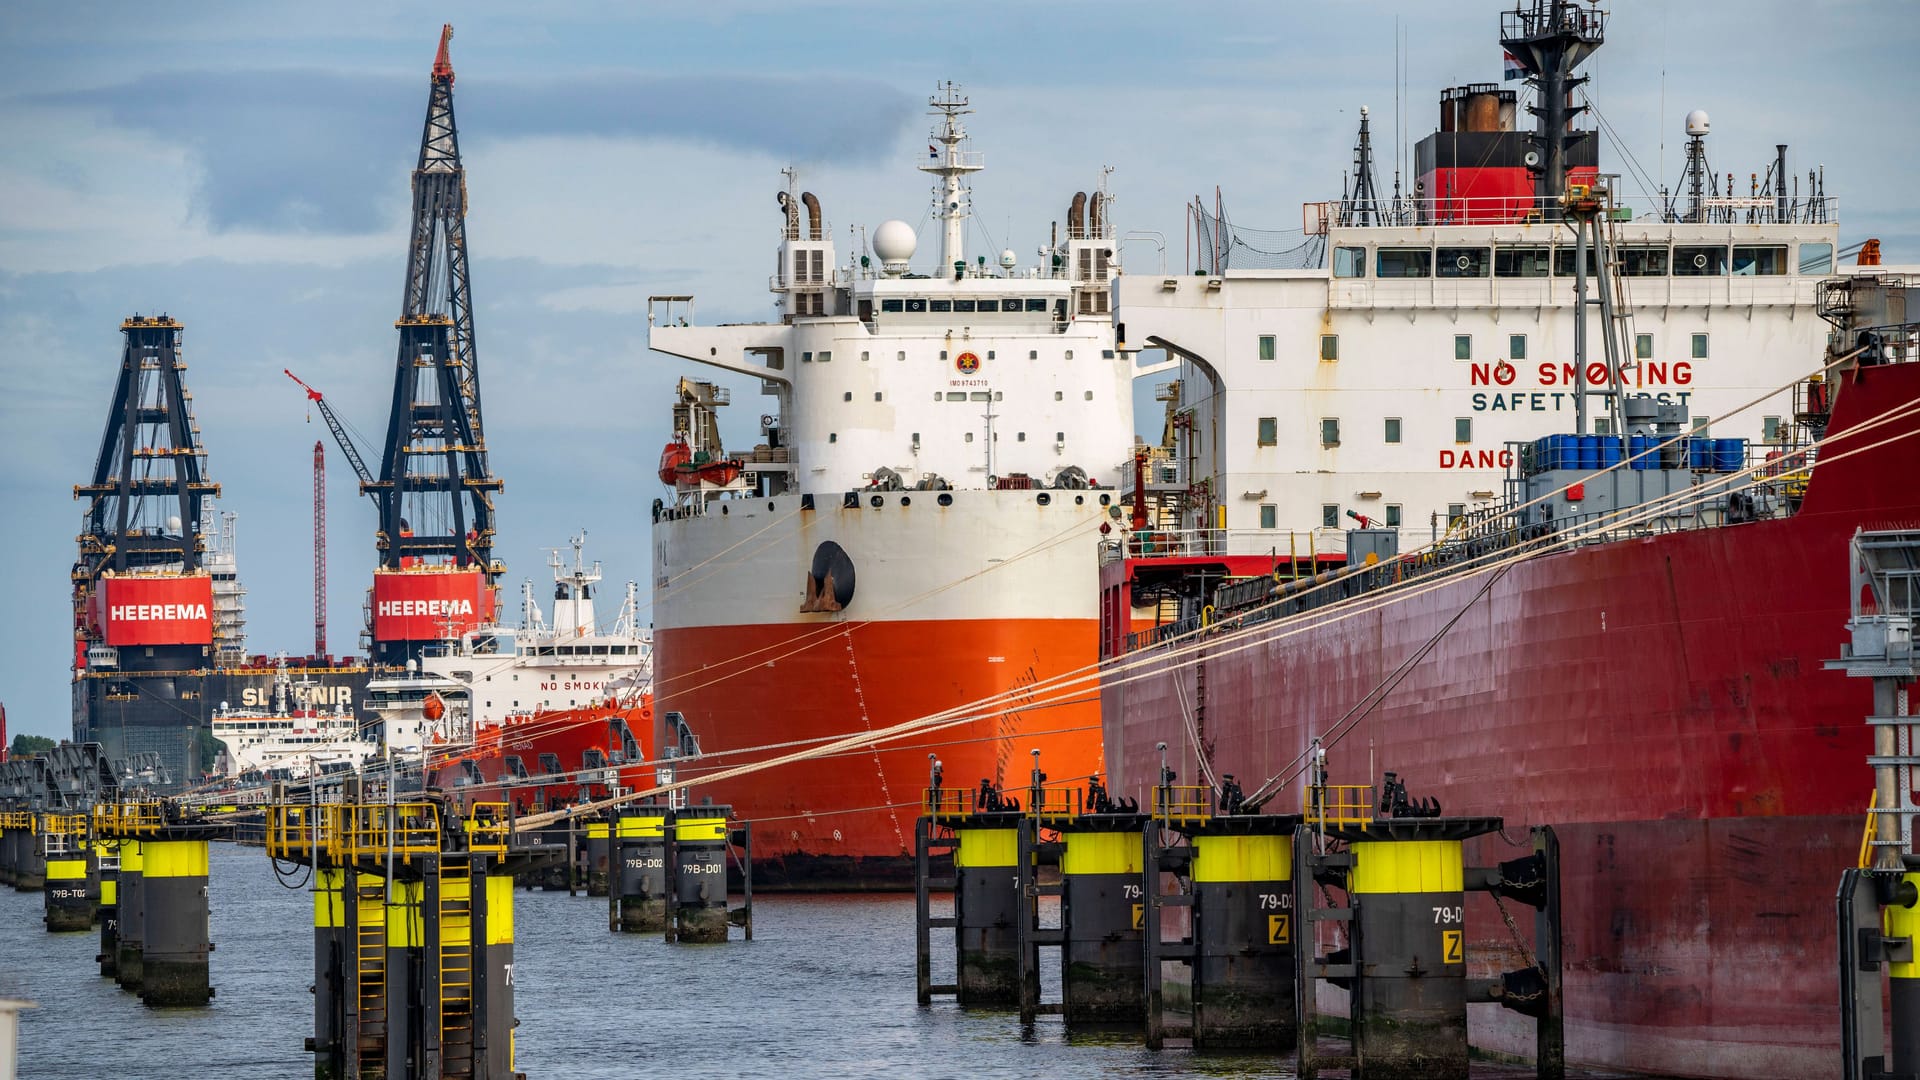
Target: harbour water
pixel 824 990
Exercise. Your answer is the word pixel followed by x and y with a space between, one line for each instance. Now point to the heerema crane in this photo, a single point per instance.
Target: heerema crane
pixel 436 576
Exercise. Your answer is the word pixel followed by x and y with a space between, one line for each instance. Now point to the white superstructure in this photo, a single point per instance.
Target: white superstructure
pixel 1391 381
pixel 290 736
pixel 961 372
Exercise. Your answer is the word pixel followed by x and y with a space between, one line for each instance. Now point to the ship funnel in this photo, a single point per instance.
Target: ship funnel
pixel 813 214
pixel 1093 215
pixel 1077 216
pixel 791 211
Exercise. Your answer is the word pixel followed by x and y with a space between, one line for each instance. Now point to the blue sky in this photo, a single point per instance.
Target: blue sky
pixel 244 167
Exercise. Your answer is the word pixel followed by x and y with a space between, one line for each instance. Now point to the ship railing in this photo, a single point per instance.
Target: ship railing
pixel 1338 804
pixel 1183 804
pixel 1753 208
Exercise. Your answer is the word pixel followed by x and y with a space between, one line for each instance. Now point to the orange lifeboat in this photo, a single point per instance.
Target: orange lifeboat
pixel 675 457
pixel 680 466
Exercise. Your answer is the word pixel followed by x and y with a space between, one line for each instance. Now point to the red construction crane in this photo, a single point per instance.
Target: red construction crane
pixel 319 548
pixel 339 430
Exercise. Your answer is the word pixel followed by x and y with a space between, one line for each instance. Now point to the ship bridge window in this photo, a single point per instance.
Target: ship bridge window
pixel 1463 262
pixel 964 305
pixel 941 305
pixel 982 395
pixel 915 303
pixel 1563 262
pixel 956 395
pixel 1350 262
pixel 1699 261
pixel 1816 258
pixel 1036 304
pixel 1643 262
pixel 1403 263
pixel 1520 262
pixel 989 305
pixel 1768 261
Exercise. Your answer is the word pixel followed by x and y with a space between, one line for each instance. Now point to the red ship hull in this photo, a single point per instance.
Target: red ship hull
pixel 555 754
pixel 1662 703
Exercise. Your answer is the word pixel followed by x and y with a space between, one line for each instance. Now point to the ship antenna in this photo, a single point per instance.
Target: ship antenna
pixel 1361 207
pixel 950 162
pixel 1549 39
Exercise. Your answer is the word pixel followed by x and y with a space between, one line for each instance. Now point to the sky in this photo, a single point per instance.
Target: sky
pixel 244 168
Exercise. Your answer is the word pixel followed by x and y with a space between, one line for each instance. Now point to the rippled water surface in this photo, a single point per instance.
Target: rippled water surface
pixel 825 989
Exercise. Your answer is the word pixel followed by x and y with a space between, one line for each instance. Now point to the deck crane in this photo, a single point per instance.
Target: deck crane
pixel 339 432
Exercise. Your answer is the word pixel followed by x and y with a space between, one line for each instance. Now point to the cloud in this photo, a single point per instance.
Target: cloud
pixel 317 152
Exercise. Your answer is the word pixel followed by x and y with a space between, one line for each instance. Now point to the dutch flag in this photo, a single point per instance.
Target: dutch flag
pixel 1513 68
pixel 932 151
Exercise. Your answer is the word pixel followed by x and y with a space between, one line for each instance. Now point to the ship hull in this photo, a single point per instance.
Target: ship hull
pixel 1659 701
pixel 943 599
pixel 555 753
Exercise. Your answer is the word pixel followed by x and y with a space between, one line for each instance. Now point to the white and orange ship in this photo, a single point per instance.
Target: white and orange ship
pixel 542 715
pixel 917 529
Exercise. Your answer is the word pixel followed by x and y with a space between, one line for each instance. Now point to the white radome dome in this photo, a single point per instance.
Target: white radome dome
pixel 1697 122
pixel 1008 260
pixel 894 241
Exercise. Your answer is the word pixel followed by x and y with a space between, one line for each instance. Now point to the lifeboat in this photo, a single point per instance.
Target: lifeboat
pixel 680 466
pixel 676 454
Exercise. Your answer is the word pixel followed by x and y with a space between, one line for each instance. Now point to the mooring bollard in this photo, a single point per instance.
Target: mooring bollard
pixel 637 896
pixel 700 874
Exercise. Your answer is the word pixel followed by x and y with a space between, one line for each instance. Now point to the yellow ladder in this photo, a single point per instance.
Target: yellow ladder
pixel 455 959
pixel 370 976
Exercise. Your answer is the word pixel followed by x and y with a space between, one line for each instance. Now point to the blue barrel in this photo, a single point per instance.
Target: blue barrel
pixel 1562 452
pixel 1700 454
pixel 1642 449
pixel 1730 455
pixel 1610 451
pixel 1589 453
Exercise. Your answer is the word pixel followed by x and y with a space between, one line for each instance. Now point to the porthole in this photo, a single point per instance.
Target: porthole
pixel 906 501
pixel 876 502
pixel 723 509
pixel 945 499
pixel 1079 500
pixel 1043 498
pixel 1105 499
pixel 769 504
